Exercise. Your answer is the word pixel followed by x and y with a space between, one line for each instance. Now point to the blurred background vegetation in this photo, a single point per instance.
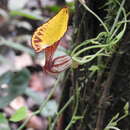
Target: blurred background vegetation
pixel 23 84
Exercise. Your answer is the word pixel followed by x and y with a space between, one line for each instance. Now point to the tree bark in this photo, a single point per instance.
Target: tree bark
pixel 60 2
pixel 103 95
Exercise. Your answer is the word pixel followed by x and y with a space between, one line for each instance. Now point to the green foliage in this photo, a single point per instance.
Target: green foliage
pixel 27 14
pixel 104 45
pixel 75 117
pixel 71 6
pixel 3 122
pixel 106 42
pixel 111 6
pixel 94 68
pixel 16 84
pixel 59 113
pixel 56 8
pixel 19 115
pixel 17 9
pixel 114 121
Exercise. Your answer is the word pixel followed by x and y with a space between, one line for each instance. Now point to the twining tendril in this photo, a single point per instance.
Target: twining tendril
pixel 105 43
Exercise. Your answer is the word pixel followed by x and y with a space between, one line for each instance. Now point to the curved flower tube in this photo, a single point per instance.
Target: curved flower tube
pixel 58 64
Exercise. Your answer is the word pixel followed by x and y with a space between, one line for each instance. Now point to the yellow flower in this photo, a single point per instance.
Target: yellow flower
pixel 47 38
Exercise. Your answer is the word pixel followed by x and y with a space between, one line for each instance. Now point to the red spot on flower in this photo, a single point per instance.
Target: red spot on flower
pixel 37 39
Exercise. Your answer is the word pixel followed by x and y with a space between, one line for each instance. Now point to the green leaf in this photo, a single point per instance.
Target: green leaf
pixel 3 122
pixel 17 83
pixel 26 13
pixel 71 6
pixel 19 115
pixel 2 118
pixel 54 8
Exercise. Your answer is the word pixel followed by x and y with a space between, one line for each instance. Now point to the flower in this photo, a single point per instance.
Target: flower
pixel 47 38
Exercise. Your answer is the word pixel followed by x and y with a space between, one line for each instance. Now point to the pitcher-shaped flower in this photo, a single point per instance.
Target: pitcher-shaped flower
pixel 47 38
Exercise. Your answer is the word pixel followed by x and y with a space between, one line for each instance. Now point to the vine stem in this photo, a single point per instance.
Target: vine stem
pixel 88 48
pixel 112 127
pixel 43 104
pixel 88 9
pixel 125 21
pixel 61 111
pixel 75 110
pixel 117 17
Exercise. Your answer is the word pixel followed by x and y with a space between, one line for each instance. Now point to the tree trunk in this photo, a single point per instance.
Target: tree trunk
pixel 103 95
pixel 60 2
